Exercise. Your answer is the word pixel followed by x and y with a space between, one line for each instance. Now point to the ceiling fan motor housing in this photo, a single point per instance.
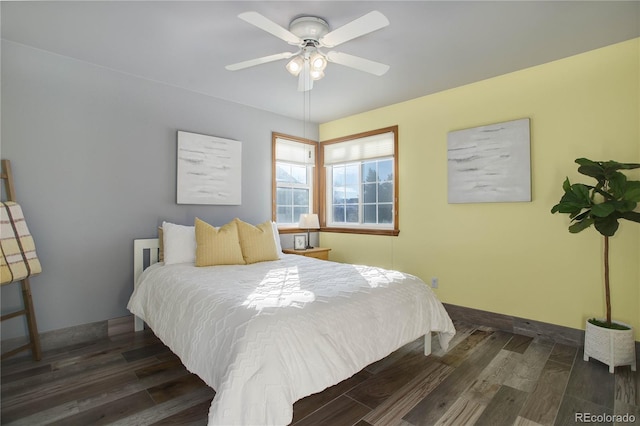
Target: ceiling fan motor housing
pixel 309 28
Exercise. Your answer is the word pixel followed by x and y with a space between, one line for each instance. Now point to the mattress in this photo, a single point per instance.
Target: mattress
pixel 267 334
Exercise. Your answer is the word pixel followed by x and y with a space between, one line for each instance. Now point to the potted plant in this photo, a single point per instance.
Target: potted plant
pixel 602 205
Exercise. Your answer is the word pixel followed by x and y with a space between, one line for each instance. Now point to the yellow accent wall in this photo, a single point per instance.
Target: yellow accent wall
pixel 513 258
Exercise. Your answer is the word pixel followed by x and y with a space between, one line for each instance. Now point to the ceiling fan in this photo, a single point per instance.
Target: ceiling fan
pixel 310 34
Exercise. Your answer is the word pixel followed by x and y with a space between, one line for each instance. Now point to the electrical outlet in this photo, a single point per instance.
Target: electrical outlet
pixel 434 282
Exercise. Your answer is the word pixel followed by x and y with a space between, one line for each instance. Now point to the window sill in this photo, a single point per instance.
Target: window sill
pixel 293 231
pixel 389 232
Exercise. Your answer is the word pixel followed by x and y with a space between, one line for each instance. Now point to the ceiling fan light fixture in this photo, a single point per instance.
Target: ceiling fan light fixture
pixel 295 66
pixel 309 34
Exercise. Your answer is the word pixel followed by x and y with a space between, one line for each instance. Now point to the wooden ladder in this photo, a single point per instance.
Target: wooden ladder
pixel 28 311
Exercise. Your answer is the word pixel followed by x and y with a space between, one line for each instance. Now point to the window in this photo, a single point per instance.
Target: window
pixel 294 168
pixel 360 182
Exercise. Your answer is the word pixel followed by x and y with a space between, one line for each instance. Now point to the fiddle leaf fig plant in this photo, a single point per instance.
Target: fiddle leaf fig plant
pixel 603 205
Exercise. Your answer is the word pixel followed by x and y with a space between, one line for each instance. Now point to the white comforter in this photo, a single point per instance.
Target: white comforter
pixel 267 334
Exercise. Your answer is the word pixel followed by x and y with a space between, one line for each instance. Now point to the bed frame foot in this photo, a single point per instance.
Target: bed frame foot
pixel 138 324
pixel 427 344
pixel 152 245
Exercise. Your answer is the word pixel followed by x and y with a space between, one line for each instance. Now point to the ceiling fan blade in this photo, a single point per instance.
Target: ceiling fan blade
pixel 254 18
pixel 366 24
pixel 258 61
pixel 305 82
pixel 358 63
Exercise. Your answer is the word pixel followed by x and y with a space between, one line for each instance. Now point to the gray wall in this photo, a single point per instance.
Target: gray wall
pixel 94 158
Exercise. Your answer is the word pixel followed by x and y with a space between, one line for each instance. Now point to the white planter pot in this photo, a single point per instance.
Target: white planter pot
pixel 613 347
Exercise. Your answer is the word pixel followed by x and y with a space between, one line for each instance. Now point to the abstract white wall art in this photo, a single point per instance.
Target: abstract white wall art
pixel 209 170
pixel 490 164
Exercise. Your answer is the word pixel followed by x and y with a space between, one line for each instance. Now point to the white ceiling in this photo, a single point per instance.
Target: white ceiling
pixel 430 45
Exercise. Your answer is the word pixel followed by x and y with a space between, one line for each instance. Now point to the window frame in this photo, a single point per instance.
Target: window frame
pixel 314 198
pixel 322 180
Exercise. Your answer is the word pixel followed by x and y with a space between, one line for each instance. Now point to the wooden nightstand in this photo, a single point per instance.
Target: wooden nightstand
pixel 317 252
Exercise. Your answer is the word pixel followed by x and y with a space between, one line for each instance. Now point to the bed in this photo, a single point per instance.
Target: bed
pixel 267 334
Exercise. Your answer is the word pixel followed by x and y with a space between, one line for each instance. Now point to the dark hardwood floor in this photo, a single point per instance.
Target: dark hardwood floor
pixel 488 377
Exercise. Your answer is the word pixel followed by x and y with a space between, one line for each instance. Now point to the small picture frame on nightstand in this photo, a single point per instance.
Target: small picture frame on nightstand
pixel 299 242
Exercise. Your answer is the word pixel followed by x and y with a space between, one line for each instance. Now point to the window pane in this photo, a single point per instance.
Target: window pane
pixel 385 213
pixel 369 171
pixel 385 192
pixel 297 211
pixel 338 176
pixel 338 195
pixel 369 193
pixel 385 170
pixel 301 198
pixel 352 175
pixel 299 174
pixel 284 196
pixel 283 173
pixel 352 195
pixel 370 214
pixel 338 213
pixel 352 214
pixel 284 214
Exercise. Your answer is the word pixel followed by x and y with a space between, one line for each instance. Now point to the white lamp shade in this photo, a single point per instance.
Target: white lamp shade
pixel 309 221
pixel 316 75
pixel 295 65
pixel 318 62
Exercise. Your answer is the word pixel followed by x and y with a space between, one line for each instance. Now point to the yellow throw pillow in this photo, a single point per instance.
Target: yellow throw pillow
pixel 217 246
pixel 257 242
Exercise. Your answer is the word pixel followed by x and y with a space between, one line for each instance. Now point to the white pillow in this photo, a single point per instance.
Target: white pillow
pixel 277 237
pixel 179 243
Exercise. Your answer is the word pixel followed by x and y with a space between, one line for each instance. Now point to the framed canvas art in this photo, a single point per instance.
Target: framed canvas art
pixel 209 170
pixel 490 164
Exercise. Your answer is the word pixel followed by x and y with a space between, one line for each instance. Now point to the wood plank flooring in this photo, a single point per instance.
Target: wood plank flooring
pixel 487 377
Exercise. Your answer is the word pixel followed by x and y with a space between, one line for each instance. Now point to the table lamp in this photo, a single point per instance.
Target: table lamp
pixel 309 221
